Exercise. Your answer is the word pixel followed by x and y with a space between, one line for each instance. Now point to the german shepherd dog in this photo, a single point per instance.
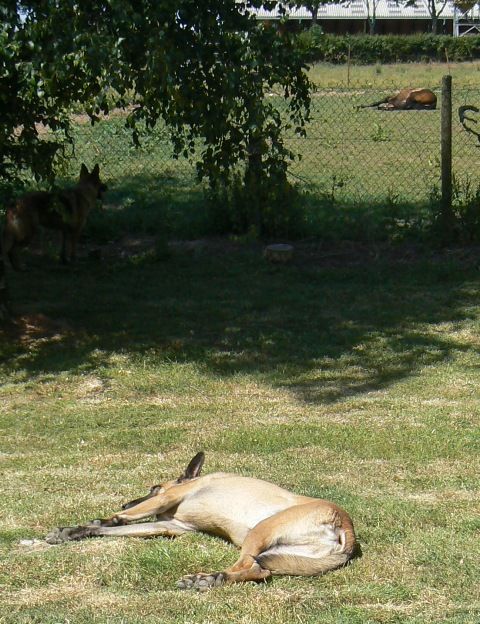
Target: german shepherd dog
pixel 66 210
pixel 277 531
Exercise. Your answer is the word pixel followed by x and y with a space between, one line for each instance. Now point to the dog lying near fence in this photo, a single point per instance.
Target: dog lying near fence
pixel 66 210
pixel 277 531
pixel 406 99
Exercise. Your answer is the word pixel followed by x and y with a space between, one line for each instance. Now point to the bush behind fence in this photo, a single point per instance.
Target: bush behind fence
pixel 366 50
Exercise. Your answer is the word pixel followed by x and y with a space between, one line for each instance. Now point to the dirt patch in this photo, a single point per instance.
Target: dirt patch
pixel 124 248
pixel 36 327
pixel 130 246
pixel 306 253
pixel 350 254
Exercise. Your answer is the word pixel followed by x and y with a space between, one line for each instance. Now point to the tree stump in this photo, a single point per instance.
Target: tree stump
pixel 280 253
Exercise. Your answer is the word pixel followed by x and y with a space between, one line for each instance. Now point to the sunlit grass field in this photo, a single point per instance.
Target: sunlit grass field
pixel 397 75
pixel 346 375
pixel 378 155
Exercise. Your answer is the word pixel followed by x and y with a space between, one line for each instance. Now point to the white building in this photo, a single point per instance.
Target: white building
pixel 391 17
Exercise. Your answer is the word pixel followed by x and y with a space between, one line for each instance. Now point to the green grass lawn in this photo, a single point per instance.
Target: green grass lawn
pixel 345 375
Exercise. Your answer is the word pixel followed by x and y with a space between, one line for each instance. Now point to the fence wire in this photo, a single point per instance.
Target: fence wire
pixel 350 155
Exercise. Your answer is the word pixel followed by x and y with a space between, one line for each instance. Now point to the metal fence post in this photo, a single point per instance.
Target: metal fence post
pixel 446 157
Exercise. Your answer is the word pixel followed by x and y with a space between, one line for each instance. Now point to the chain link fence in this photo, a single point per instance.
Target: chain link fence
pixel 349 155
pixel 375 155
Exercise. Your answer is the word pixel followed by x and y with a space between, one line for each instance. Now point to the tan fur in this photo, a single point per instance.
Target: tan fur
pixel 66 211
pixel 278 532
pixel 406 99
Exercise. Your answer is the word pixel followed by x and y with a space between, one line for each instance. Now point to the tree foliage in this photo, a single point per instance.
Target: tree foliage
pixel 312 6
pixel 204 68
pixel 435 10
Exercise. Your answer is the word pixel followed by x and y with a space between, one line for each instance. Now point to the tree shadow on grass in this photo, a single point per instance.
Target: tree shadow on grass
pixel 323 332
pixel 156 204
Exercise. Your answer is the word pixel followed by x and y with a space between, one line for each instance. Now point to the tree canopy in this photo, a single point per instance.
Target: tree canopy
pixel 203 68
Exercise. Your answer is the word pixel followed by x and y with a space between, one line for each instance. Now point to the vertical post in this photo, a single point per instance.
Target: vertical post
pixel 456 29
pixel 446 158
pixel 348 66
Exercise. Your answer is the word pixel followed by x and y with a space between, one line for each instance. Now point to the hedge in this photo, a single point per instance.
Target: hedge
pixel 368 49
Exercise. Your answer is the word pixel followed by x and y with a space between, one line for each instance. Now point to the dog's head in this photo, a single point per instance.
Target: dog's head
pixel 93 179
pixel 192 471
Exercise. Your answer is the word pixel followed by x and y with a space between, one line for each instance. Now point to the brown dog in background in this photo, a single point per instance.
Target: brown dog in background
pixel 278 532
pixel 406 99
pixel 66 210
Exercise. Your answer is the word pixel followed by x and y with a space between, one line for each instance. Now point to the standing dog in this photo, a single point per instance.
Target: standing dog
pixel 65 210
pixel 278 532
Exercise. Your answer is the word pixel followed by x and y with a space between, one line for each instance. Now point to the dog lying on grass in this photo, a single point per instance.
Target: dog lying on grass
pixel 277 531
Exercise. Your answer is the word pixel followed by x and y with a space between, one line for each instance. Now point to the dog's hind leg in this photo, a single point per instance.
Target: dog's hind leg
pixel 10 246
pixel 12 252
pixel 246 569
pixel 303 540
pixel 69 246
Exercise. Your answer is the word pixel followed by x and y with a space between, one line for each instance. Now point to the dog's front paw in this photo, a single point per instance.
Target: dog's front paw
pixel 201 581
pixel 97 522
pixel 69 534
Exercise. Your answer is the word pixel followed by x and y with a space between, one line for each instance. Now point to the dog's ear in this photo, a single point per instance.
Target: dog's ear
pixel 194 468
pixel 83 171
pixel 96 171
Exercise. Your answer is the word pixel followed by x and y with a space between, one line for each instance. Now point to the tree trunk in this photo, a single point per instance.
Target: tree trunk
pixel 434 16
pixel 252 181
pixel 314 16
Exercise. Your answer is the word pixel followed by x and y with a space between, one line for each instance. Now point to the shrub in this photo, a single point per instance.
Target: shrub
pixel 266 210
pixel 366 49
pixel 465 225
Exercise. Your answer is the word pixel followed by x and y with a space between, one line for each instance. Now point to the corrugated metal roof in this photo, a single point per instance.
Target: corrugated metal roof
pixel 358 9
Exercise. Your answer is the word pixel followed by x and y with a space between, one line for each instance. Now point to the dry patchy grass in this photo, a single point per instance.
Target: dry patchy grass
pixel 355 383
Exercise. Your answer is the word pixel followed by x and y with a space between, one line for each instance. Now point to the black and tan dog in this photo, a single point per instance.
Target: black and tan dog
pixel 66 210
pixel 278 532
